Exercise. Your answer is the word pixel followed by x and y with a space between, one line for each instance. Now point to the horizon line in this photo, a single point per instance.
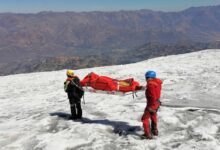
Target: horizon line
pixel 119 10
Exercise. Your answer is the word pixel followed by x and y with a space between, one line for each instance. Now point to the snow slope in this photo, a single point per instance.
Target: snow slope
pixel 34 108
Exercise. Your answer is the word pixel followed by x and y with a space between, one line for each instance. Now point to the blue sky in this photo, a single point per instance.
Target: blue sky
pixel 101 5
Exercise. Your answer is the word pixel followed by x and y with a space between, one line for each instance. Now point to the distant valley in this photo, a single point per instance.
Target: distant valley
pixel 53 41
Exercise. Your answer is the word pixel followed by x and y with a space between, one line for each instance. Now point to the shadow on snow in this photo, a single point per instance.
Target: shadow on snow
pixel 119 127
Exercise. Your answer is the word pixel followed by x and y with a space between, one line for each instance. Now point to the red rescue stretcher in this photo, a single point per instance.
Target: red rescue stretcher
pixel 106 85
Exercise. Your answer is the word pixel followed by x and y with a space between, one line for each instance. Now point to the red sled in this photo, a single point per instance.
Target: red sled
pixel 110 85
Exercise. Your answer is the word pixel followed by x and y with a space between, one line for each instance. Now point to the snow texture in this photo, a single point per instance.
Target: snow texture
pixel 34 108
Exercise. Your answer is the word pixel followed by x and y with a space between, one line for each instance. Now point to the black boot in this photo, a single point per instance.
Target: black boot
pixel 148 137
pixel 154 132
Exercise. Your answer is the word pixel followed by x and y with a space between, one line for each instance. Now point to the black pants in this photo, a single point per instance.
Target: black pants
pixel 75 107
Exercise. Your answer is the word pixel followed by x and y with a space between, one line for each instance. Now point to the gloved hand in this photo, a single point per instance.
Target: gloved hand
pixel 139 88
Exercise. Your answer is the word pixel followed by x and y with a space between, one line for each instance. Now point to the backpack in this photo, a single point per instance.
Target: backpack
pixel 78 90
pixel 73 88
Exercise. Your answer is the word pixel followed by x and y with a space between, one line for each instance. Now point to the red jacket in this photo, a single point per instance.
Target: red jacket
pixel 153 92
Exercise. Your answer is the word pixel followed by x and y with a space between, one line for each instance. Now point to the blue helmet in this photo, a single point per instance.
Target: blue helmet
pixel 150 74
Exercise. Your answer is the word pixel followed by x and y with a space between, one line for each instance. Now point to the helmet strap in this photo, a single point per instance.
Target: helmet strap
pixel 70 76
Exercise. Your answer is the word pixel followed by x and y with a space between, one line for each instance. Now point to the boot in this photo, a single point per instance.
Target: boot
pixel 154 132
pixel 148 137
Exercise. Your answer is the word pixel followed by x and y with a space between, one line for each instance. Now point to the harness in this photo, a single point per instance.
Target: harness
pixel 154 110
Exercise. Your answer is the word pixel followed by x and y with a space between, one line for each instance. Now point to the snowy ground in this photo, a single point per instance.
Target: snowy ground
pixel 34 108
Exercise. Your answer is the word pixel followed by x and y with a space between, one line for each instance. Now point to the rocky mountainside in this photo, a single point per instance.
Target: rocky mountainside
pixel 151 50
pixel 31 38
pixel 144 52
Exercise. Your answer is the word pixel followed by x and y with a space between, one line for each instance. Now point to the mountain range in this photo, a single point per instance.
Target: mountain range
pixel 30 40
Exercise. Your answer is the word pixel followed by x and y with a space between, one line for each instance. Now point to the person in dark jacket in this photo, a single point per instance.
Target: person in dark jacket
pixel 75 92
pixel 152 93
